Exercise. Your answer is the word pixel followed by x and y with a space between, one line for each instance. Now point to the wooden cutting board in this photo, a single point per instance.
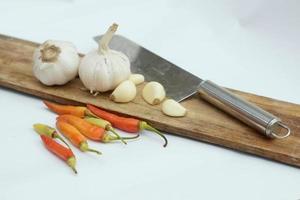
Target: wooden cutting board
pixel 203 122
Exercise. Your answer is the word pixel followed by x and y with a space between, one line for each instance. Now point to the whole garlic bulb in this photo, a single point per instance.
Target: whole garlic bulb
pixel 55 62
pixel 104 69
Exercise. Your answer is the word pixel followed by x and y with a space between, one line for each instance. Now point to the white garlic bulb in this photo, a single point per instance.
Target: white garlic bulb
pixel 104 69
pixel 55 62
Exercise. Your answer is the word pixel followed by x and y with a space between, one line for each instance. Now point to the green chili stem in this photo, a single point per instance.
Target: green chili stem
pixel 85 147
pixel 55 135
pixel 130 138
pixel 145 126
pixel 93 150
pixel 111 129
pixel 125 138
pixel 109 138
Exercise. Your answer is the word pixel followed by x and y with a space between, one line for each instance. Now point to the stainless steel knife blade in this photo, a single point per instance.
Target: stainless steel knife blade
pixel 179 83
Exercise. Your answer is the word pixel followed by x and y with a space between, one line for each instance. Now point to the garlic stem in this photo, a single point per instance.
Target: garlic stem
pixel 50 53
pixel 106 38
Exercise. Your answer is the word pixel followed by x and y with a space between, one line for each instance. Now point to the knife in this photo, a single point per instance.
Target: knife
pixel 181 84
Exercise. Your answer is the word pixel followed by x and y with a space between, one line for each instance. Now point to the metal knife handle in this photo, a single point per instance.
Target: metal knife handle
pixel 261 120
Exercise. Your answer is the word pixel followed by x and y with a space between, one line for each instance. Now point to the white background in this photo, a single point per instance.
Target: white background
pixel 246 45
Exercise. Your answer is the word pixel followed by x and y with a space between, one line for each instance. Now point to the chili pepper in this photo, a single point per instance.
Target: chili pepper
pixel 74 136
pixel 130 125
pixel 89 130
pixel 59 150
pixel 66 109
pixel 43 129
pixel 103 124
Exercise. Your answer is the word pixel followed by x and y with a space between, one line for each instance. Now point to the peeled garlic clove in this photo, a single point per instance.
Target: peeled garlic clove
pixel 137 78
pixel 153 93
pixel 172 108
pixel 124 92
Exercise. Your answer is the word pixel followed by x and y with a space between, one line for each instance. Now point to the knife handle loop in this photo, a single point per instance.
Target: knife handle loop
pixel 281 135
pixel 263 121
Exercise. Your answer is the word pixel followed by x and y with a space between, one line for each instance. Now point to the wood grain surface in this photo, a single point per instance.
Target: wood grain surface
pixel 203 122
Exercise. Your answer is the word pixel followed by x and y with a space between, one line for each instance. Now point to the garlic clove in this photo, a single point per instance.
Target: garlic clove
pixel 172 108
pixel 124 92
pixel 137 78
pixel 153 93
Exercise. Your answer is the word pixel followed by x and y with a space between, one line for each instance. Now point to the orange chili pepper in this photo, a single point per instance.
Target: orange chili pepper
pixel 78 111
pixel 74 136
pixel 89 130
pixel 103 124
pixel 130 125
pixel 59 150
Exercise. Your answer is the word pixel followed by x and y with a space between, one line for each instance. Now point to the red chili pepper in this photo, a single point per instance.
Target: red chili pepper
pixel 59 150
pixel 130 125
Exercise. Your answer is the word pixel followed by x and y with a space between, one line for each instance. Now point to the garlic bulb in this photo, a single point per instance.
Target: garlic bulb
pixel 55 62
pixel 153 93
pixel 124 93
pixel 137 78
pixel 172 108
pixel 104 69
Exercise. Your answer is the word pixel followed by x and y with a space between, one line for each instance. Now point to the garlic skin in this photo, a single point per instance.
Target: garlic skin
pixel 125 92
pixel 104 69
pixel 55 62
pixel 137 78
pixel 172 108
pixel 153 93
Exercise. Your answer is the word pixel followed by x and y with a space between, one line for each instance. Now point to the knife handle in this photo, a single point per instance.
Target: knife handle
pixel 261 120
